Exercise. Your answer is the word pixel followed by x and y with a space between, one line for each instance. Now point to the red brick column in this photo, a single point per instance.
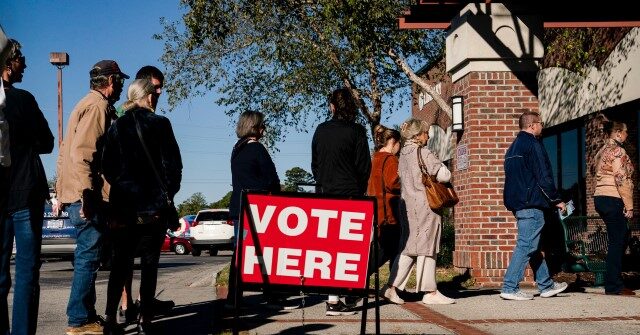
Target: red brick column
pixel 485 232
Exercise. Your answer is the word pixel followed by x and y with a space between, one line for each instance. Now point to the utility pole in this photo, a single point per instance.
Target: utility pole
pixel 59 60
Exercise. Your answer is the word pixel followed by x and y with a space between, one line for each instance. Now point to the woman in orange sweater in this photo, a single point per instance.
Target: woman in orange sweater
pixel 384 184
pixel 613 199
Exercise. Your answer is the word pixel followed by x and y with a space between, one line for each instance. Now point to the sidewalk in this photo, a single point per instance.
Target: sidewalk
pixel 475 312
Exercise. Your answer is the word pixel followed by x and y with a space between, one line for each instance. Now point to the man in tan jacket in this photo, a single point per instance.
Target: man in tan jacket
pixel 83 192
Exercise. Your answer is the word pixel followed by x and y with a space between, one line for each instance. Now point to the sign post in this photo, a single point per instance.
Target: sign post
pixel 297 242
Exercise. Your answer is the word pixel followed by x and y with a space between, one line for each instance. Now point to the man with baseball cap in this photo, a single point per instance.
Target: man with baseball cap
pixel 83 192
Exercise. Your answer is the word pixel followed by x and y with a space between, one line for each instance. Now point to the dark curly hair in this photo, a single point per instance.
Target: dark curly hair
pixel 344 104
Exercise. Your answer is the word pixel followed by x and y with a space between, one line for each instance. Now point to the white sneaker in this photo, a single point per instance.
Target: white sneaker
pixel 518 295
pixel 553 290
pixel 391 295
pixel 437 299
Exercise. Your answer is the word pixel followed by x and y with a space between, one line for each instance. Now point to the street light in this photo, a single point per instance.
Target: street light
pixel 59 60
pixel 458 113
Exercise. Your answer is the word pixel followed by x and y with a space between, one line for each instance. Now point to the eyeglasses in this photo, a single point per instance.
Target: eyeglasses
pixel 540 122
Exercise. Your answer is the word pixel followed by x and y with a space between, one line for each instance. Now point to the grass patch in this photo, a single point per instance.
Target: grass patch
pixel 444 275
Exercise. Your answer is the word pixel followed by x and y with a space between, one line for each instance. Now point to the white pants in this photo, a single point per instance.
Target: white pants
pixel 425 272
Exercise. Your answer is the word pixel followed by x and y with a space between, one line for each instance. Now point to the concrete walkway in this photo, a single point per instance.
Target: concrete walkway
pixel 586 312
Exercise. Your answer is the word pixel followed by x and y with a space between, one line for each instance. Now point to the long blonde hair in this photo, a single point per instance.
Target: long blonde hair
pixel 137 94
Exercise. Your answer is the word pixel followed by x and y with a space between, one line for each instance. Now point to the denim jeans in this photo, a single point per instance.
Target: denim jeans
pixel 611 210
pixel 82 299
pixel 530 223
pixel 26 226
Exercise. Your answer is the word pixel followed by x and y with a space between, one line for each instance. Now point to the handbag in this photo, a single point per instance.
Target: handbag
pixel 439 195
pixel 169 212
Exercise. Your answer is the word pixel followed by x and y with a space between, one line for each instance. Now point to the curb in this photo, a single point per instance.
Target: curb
pixel 208 279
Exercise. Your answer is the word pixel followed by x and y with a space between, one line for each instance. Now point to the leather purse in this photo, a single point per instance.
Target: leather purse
pixel 439 195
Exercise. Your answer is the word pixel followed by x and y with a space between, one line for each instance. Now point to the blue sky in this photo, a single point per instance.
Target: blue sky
pixel 122 30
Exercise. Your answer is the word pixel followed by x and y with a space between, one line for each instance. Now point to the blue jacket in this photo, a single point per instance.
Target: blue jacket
pixel 528 179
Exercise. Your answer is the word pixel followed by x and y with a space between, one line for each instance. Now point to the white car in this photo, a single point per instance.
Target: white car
pixel 211 230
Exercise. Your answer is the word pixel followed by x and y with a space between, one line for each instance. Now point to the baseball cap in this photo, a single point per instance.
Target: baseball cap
pixel 105 68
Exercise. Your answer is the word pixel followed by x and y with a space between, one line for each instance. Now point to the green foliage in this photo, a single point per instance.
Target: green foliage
pixel 295 176
pixel 222 203
pixel 193 204
pixel 447 241
pixel 284 57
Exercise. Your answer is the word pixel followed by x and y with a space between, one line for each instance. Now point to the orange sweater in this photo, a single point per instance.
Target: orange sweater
pixel 391 183
pixel 614 172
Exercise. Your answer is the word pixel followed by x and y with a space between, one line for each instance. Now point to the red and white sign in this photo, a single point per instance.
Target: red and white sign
pixel 326 241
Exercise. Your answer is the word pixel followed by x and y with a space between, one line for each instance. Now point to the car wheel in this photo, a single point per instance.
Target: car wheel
pixel 179 249
pixel 213 251
pixel 196 252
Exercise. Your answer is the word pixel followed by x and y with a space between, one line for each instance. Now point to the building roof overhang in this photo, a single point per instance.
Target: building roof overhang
pixel 428 14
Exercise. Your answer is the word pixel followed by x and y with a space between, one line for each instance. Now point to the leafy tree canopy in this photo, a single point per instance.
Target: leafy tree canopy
pixel 193 204
pixel 295 176
pixel 222 203
pixel 283 57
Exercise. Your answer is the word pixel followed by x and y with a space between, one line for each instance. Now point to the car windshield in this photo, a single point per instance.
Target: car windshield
pixel 212 216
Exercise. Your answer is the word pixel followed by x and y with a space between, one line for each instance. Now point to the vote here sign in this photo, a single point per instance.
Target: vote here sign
pixel 324 240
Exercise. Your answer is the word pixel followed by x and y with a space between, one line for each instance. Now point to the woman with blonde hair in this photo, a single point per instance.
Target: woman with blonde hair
pixel 613 199
pixel 421 226
pixel 140 148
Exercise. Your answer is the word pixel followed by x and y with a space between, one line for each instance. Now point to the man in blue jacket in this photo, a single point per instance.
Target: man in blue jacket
pixel 529 189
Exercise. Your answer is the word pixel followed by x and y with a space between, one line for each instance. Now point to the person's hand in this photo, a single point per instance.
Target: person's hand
pixel 56 206
pixel 89 205
pixel 628 213
pixel 562 206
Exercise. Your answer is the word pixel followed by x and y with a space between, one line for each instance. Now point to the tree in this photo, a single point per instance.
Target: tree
pixel 283 57
pixel 222 203
pixel 195 203
pixel 295 176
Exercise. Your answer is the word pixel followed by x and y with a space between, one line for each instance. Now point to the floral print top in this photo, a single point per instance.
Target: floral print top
pixel 614 172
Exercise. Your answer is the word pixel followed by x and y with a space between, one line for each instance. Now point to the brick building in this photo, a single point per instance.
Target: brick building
pixel 493 62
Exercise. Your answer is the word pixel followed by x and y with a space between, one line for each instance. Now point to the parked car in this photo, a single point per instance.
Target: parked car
pixel 178 244
pixel 58 234
pixel 211 230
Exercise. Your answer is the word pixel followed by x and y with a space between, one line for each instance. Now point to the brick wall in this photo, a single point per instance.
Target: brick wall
pixel 485 232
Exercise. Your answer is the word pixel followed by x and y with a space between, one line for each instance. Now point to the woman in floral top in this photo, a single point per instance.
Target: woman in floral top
pixel 613 199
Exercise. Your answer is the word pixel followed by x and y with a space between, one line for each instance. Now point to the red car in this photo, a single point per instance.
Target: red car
pixel 177 244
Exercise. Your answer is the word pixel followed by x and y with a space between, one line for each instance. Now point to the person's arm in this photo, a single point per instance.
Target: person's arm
pixel 362 159
pixel 83 151
pixel 171 159
pixel 622 171
pixel 435 166
pixel 44 141
pixel 268 169
pixel 538 163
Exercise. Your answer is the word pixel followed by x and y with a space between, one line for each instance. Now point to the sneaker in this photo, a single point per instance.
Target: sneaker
pixel 518 295
pixel 351 302
pixel 282 304
pixel 553 290
pixel 93 328
pixel 391 295
pixel 437 299
pixel 338 309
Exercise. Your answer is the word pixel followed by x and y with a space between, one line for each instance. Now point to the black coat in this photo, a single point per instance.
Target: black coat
pixel 340 158
pixel 134 186
pixel 29 137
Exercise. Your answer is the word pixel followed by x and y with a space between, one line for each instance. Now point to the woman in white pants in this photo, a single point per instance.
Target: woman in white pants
pixel 421 226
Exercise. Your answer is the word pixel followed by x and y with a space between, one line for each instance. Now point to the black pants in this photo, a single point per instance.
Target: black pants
pixel 611 210
pixel 147 239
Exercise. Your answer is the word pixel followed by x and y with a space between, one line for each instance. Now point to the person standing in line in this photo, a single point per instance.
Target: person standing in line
pixel 251 169
pixel 384 184
pixel 132 166
pixel 529 189
pixel 613 199
pixel 84 193
pixel 341 164
pixel 128 309
pixel 421 226
pixel 22 215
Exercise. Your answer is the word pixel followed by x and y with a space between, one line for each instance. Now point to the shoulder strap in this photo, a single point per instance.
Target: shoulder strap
pixel 423 167
pixel 384 189
pixel 146 151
